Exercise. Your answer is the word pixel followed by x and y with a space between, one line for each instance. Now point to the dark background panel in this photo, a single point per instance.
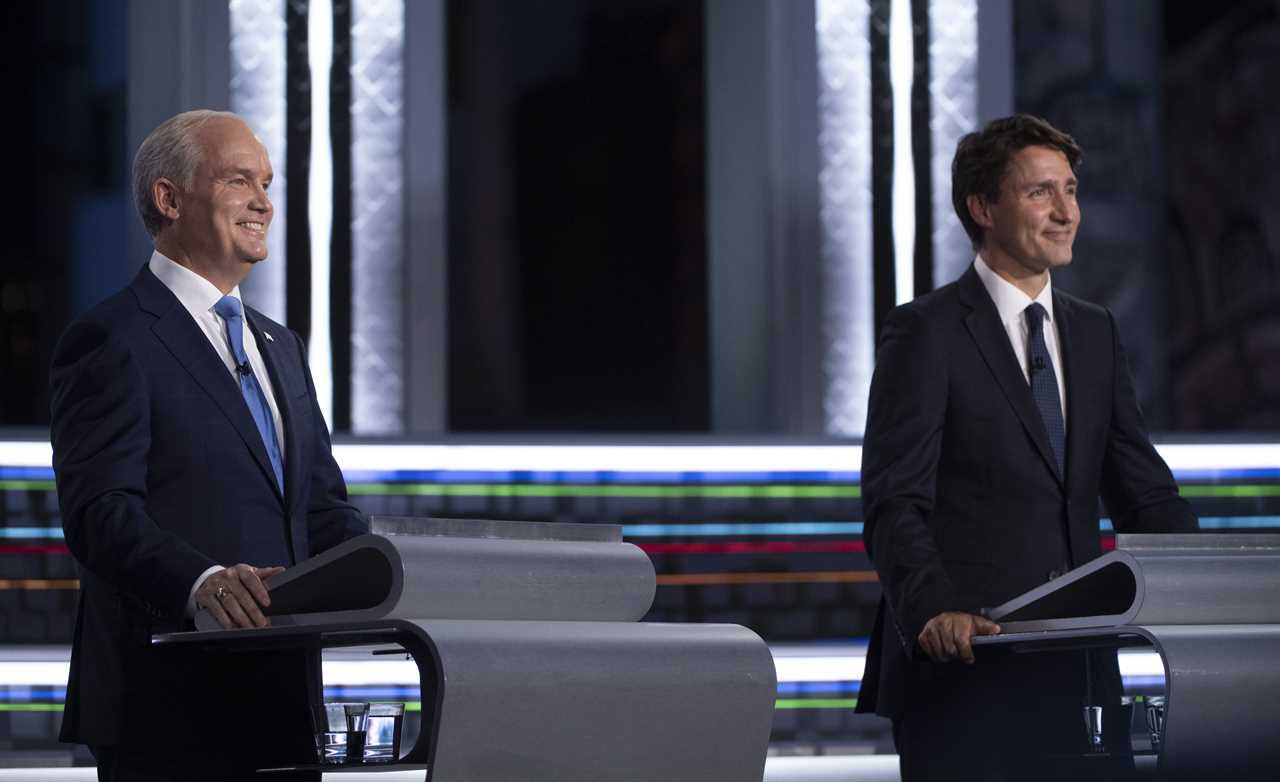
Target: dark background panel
pixel 577 216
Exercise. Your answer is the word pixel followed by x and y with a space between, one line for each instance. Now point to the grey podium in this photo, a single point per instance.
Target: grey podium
pixel 1209 605
pixel 532 661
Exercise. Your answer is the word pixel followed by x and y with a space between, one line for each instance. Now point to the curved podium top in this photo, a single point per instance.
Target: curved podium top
pixel 1157 580
pixel 466 569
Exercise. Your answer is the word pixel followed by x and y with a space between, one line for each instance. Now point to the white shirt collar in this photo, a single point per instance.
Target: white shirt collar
pixel 197 294
pixel 1009 300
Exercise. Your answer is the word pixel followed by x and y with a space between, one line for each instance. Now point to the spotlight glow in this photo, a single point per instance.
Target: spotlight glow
pixel 320 201
pixel 901 76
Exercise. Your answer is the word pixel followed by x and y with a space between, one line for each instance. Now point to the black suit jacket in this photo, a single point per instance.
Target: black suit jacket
pixel 161 474
pixel 964 507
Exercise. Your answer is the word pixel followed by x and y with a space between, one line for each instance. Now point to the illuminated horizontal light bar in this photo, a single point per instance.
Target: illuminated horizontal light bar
pixel 803 577
pixel 39 583
pixel 31 533
pixel 802 670
pixel 594 476
pixel 748 547
pixel 1220 456
pixel 819 662
pixel 1228 492
pixel 364 673
pixel 26 473
pixel 1239 522
pixel 34 548
pixel 735 529
pixel 1219 522
pixel 36 673
pixel 26 453
pixel 373 693
pixel 42 694
pixel 752 491
pixel 819 688
pixel 815 703
pixel 601 458
pixel 1212 461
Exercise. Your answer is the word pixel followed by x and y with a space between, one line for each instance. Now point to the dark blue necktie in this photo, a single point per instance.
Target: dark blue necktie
pixel 1044 385
pixel 229 308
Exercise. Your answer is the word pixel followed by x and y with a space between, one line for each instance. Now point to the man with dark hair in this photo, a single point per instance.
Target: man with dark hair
pixel 192 464
pixel 1000 411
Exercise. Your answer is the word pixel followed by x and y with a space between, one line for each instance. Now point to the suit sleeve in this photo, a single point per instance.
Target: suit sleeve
pixel 1138 489
pixel 101 437
pixel 905 421
pixel 331 518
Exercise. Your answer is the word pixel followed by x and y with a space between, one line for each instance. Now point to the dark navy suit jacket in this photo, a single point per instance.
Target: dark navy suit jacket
pixel 162 474
pixel 964 507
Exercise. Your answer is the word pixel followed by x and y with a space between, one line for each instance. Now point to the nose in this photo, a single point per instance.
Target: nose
pixel 1063 208
pixel 261 202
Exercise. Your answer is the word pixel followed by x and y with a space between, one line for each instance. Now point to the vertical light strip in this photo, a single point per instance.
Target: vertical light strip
pixel 258 95
pixel 377 216
pixel 953 109
pixel 844 184
pixel 320 200
pixel 901 74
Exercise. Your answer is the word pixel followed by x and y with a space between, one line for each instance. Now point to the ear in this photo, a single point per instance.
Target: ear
pixel 980 210
pixel 166 197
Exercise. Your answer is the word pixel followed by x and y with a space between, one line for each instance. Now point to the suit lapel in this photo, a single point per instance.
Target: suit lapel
pixel 269 348
pixel 190 348
pixel 1073 372
pixel 983 323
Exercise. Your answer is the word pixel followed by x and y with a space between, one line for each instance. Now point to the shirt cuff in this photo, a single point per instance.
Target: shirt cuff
pixel 191 598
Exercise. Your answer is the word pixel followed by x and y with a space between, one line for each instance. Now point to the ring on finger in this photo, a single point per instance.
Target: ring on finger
pixel 221 593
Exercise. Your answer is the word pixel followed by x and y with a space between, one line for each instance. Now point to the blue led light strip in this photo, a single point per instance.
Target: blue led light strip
pixel 31 533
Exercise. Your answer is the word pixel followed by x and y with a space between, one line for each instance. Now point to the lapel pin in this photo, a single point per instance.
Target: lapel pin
pixel 267 334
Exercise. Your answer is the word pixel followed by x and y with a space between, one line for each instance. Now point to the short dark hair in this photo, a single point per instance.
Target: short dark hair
pixel 982 159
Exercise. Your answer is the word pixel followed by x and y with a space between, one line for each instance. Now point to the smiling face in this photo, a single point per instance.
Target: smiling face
pixel 218 227
pixel 1031 228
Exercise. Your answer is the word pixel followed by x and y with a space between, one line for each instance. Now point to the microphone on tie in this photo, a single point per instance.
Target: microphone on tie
pixel 244 369
pixel 1037 364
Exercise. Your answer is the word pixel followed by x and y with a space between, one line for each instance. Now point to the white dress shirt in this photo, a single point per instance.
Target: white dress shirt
pixel 197 295
pixel 1011 303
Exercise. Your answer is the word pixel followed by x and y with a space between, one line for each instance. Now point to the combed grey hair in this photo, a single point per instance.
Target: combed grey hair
pixel 171 151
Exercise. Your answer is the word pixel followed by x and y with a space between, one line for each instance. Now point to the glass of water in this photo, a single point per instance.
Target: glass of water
pixel 342 737
pixel 382 732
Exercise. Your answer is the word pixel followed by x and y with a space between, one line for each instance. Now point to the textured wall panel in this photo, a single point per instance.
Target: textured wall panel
pixel 953 91
pixel 377 215
pixel 258 95
pixel 844 142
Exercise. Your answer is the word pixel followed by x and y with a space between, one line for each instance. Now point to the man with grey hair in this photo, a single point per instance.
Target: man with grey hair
pixel 193 464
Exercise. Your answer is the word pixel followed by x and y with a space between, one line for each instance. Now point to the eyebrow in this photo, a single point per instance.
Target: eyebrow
pixel 1051 182
pixel 247 172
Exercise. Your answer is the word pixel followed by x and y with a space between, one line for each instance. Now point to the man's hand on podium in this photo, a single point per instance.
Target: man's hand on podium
pixel 948 635
pixel 233 595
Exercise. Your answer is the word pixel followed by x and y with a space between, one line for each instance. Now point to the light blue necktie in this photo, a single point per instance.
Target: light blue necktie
pixel 1044 385
pixel 229 308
